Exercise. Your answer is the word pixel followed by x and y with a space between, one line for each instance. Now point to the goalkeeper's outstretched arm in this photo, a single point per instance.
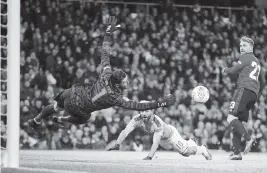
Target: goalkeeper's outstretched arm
pixel 105 60
pixel 133 105
pixel 106 46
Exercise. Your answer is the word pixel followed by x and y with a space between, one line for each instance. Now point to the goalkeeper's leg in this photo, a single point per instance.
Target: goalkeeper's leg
pixel 36 122
pixel 78 119
pixel 50 109
pixel 76 114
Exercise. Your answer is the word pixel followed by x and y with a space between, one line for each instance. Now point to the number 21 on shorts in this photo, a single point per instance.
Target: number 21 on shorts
pixel 256 71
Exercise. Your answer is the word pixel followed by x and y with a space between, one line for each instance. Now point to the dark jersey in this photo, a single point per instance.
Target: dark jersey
pixel 101 94
pixel 248 68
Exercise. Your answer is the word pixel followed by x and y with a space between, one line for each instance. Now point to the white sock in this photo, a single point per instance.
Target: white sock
pixel 59 119
pixel 200 150
pixel 36 121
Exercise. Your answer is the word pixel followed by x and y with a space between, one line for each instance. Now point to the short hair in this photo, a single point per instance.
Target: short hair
pixel 117 76
pixel 248 40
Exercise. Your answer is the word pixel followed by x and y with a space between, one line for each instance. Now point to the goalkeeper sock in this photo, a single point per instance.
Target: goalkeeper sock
pixel 236 143
pixel 239 128
pixel 46 112
pixel 59 119
pixel 37 122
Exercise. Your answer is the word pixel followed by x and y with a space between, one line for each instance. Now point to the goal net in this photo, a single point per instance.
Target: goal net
pixel 10 82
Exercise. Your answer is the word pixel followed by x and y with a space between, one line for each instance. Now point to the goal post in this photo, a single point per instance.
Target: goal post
pixel 13 82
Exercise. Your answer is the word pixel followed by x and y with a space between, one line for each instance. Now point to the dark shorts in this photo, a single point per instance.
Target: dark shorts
pixel 242 101
pixel 61 97
pixel 64 101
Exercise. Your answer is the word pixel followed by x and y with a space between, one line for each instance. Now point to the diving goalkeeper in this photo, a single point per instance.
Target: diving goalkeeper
pixel 81 100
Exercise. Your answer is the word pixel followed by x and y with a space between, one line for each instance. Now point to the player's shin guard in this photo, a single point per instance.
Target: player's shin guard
pixel 236 143
pixel 239 128
pixel 249 144
pixel 46 112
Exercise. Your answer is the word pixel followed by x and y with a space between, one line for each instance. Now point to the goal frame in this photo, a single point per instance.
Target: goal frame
pixel 13 82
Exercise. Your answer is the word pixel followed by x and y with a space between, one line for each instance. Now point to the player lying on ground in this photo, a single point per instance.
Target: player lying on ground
pixel 82 99
pixel 165 135
pixel 245 96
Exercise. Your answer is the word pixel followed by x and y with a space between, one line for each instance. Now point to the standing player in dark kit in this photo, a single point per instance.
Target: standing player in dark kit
pixel 245 96
pixel 82 99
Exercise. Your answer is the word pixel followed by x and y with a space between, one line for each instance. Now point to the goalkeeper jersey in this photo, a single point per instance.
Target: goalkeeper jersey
pixel 101 94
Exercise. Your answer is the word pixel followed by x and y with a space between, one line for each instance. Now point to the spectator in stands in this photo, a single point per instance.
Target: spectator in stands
pixel 60 48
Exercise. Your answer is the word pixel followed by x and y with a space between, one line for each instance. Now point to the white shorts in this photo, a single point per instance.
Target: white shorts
pixel 175 142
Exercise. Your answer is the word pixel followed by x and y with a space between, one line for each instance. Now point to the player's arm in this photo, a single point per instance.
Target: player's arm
pixel 133 105
pixel 235 69
pixel 106 46
pixel 129 128
pixel 156 140
pixel 243 61
pixel 262 80
pixel 105 60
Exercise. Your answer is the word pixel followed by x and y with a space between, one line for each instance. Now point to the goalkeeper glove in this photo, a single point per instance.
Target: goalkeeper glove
pixel 111 24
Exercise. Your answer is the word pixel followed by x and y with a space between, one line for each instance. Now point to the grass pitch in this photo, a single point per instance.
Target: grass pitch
pixel 88 161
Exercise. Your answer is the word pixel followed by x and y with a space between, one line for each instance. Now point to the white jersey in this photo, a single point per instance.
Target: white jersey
pixel 169 135
pixel 155 126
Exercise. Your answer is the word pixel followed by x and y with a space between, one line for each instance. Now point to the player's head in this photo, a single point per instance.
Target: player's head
pixel 119 79
pixel 146 115
pixel 246 45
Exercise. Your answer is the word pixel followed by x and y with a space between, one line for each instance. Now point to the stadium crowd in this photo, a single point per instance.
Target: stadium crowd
pixel 168 50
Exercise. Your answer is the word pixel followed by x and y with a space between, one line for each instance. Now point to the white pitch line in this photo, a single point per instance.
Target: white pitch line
pixel 48 170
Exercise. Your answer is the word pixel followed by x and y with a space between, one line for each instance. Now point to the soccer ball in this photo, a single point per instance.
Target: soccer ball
pixel 200 94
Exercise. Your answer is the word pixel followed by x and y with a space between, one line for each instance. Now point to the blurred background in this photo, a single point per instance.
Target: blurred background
pixel 164 46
